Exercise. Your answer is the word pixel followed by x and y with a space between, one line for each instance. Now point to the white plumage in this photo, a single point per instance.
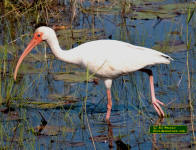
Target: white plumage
pixel 107 59
pixel 111 58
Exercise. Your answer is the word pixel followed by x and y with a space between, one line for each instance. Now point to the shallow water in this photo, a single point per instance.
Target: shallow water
pixel 52 107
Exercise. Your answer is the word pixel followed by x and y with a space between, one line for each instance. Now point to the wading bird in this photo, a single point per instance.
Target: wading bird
pixel 107 59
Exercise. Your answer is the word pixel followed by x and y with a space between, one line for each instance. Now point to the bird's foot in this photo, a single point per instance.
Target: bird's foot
pixel 156 104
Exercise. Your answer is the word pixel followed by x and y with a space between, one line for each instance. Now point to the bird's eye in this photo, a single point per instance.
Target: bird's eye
pixel 38 35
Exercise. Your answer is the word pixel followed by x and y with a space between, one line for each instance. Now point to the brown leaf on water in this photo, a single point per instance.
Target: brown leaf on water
pixel 67 38
pixel 174 33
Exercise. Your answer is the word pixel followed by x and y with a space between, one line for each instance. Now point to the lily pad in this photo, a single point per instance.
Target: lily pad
pixel 38 57
pixel 42 105
pixel 141 10
pixel 170 46
pixel 162 11
pixel 72 77
pixel 27 68
pixel 69 37
pixel 47 105
pixel 52 130
pixel 69 98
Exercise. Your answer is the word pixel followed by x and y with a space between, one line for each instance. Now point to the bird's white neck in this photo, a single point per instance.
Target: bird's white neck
pixel 69 56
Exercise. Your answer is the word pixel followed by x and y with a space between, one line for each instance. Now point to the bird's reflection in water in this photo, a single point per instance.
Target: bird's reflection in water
pixel 159 121
pixel 120 145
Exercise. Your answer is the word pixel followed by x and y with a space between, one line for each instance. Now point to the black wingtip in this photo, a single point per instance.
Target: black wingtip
pixel 167 57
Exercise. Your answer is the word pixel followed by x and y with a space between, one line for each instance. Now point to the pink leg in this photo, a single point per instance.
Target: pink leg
pixel 109 106
pixel 156 103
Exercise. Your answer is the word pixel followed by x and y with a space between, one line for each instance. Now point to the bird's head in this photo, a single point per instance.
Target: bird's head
pixel 41 34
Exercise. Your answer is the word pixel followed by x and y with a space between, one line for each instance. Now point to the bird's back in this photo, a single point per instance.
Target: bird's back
pixel 110 58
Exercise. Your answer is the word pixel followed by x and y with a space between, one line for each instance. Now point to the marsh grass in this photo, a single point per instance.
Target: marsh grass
pixel 188 43
pixel 8 90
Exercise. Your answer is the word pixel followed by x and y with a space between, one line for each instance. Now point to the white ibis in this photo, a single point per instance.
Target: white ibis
pixel 107 59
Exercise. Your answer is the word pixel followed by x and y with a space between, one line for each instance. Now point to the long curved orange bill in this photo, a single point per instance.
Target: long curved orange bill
pixel 31 45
